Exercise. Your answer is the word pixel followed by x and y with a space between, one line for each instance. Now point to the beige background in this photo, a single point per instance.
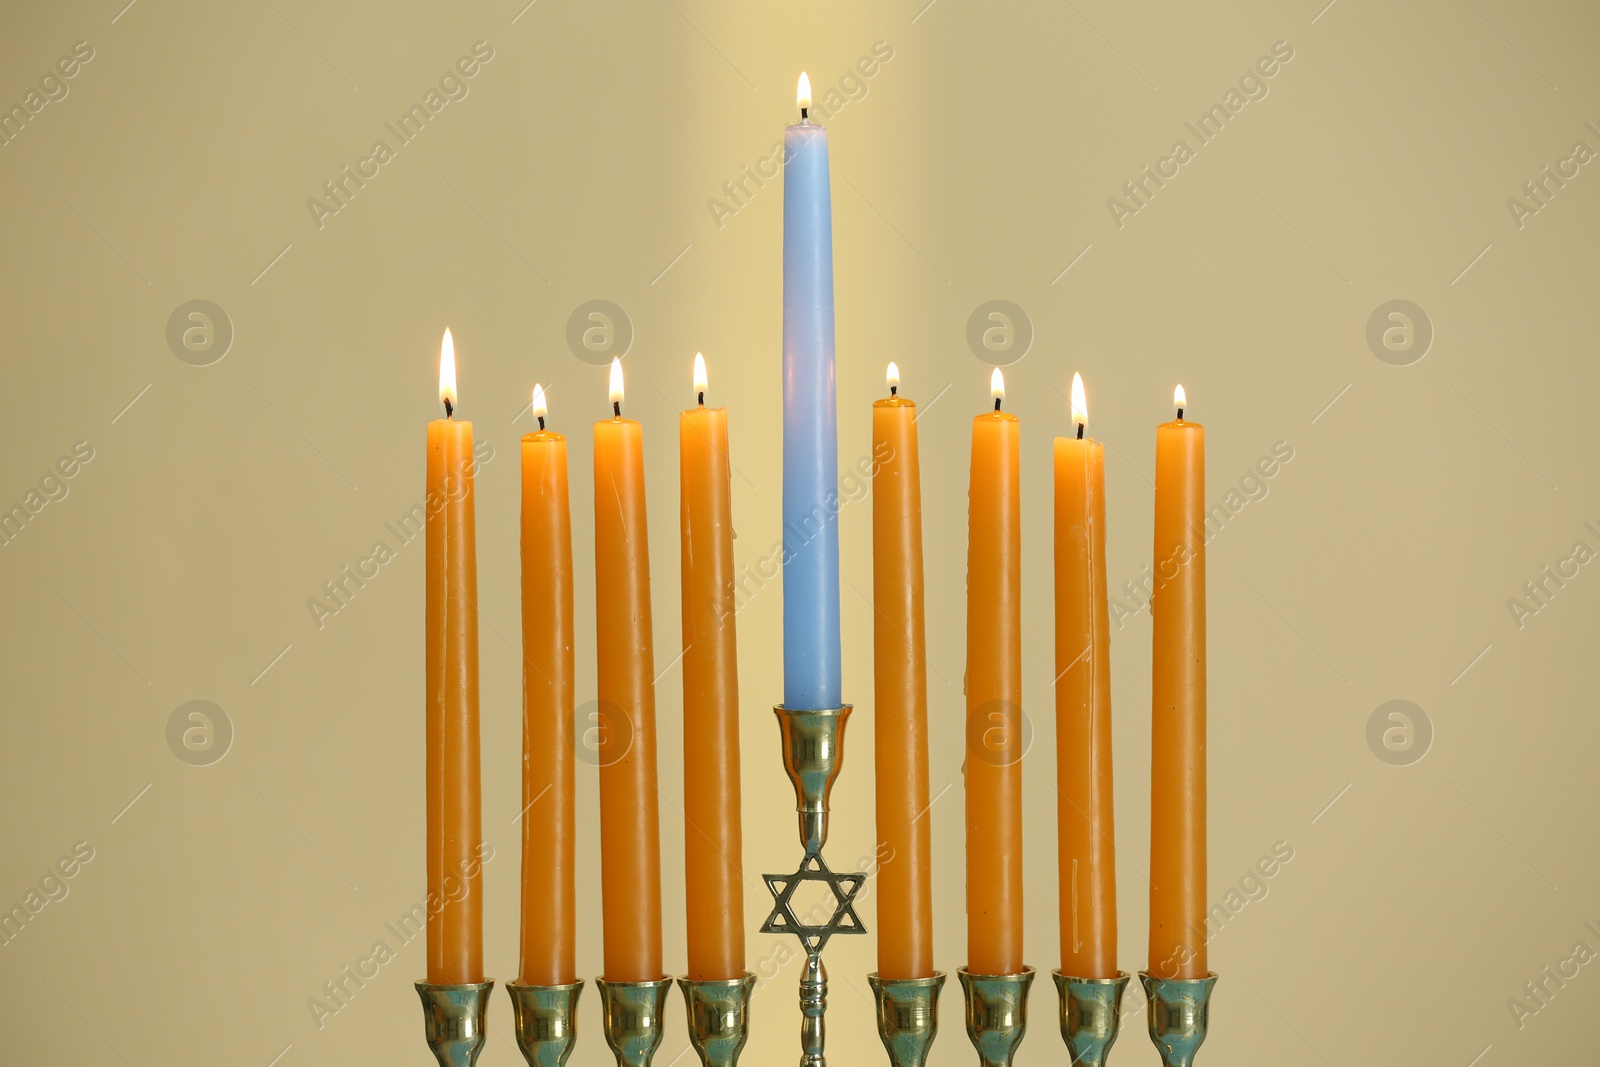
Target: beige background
pixel 976 167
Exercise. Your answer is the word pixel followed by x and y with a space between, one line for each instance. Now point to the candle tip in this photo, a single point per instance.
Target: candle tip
pixel 1080 403
pixel 997 387
pixel 700 377
pixel 802 94
pixel 447 373
pixel 1179 400
pixel 892 377
pixel 540 409
pixel 616 384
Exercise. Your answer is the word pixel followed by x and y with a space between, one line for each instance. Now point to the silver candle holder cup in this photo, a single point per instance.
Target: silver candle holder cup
pixel 908 1016
pixel 1179 1011
pixel 997 1013
pixel 630 1017
pixel 719 1017
pixel 455 1020
pixel 546 1018
pixel 1091 1014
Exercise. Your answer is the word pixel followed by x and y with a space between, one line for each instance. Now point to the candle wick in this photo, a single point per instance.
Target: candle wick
pixel 997 403
pixel 803 113
pixel 616 408
pixel 702 399
pixel 894 390
pixel 449 409
pixel 1080 431
pixel 1180 414
pixel 541 422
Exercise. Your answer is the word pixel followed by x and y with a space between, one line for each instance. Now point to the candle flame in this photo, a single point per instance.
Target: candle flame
pixel 616 379
pixel 802 94
pixel 1080 402
pixel 539 408
pixel 997 385
pixel 699 373
pixel 447 370
pixel 892 375
pixel 1178 399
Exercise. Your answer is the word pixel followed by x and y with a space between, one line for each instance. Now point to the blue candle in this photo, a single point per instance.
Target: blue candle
pixel 810 424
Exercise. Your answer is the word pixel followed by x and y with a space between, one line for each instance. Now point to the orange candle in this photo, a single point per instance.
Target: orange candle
pixel 994 695
pixel 547 712
pixel 455 876
pixel 714 896
pixel 900 691
pixel 1086 854
pixel 630 832
pixel 1178 699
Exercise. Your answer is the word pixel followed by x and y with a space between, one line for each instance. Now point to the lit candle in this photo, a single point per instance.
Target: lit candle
pixel 630 834
pixel 1178 704
pixel 810 430
pixel 1086 853
pixel 714 891
pixel 994 694
pixel 900 689
pixel 455 876
pixel 547 711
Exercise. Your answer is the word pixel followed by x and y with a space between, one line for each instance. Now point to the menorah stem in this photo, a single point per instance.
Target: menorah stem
pixel 813 753
pixel 813 1003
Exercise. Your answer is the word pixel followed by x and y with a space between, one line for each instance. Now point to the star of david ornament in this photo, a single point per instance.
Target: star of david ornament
pixel 813 936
